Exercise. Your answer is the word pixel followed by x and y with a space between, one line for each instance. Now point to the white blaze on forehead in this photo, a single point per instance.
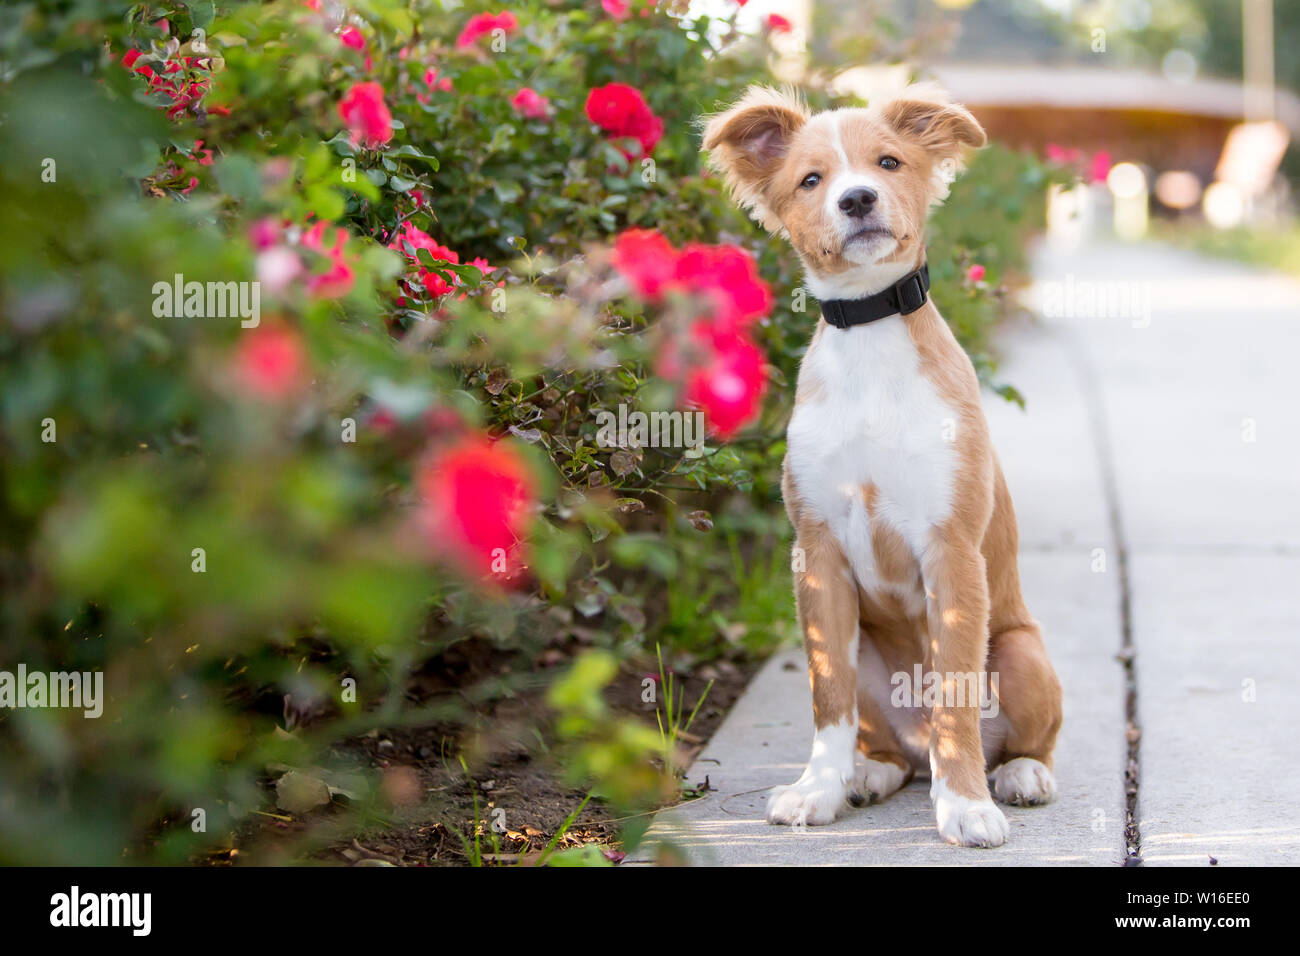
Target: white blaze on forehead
pixel 838 140
pixel 847 175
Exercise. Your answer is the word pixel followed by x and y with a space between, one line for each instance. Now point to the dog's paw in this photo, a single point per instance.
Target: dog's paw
pixel 1024 782
pixel 811 801
pixel 876 779
pixel 967 822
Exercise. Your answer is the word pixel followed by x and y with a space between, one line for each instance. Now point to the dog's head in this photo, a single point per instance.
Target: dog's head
pixel 850 188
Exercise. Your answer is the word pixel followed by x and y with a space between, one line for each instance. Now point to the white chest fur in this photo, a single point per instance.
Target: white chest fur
pixel 872 418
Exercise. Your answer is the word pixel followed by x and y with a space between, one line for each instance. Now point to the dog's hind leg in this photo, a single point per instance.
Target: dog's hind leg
pixel 1029 702
pixel 882 769
pixel 1028 694
pixel 886 761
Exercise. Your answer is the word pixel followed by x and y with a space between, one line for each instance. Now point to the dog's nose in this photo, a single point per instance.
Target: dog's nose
pixel 856 203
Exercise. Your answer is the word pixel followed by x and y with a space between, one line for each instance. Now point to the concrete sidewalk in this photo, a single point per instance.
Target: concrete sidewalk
pixel 1178 425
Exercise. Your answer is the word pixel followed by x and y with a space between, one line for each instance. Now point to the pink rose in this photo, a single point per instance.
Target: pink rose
pixel 529 103
pixel 352 37
pixel 367 116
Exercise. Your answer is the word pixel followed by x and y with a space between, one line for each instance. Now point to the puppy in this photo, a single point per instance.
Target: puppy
pixel 905 551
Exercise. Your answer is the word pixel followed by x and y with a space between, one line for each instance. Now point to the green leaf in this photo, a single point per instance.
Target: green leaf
pixel 1011 394
pixel 237 175
pixel 342 144
pixel 325 202
pixel 645 550
pixel 427 260
pixel 412 153
pixel 201 13
pixel 472 275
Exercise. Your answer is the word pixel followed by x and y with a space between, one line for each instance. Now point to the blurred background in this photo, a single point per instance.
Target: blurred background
pixel 363 584
pixel 1189 91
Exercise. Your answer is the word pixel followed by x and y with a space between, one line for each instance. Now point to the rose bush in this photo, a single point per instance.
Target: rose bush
pixel 472 231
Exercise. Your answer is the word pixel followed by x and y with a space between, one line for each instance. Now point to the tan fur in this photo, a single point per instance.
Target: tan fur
pixel 827 605
pixel 747 144
pixel 877 740
pixel 756 146
pixel 974 616
pixel 894 559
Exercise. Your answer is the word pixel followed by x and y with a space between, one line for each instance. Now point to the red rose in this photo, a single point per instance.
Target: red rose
pixel 338 278
pixel 1060 154
pixel 352 37
pixel 364 111
pixel 726 379
pixel 648 133
pixel 482 24
pixel 477 497
pixel 647 260
pixel 618 9
pixel 616 106
pixel 976 273
pixel 528 102
pixel 728 275
pixel 718 364
pixel 128 61
pixel 622 111
pixel 410 238
pixel 270 362
pixel 264 233
pixel 1099 167
pixel 778 24
pixel 335 281
pixel 408 241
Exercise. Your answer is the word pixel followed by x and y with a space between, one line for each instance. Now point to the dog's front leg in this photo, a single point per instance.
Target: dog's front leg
pixel 957 613
pixel 827 600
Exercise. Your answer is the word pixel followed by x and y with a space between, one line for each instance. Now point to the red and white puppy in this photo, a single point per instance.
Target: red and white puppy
pixel 905 535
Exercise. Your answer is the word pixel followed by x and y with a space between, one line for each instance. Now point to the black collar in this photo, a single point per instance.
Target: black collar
pixel 902 298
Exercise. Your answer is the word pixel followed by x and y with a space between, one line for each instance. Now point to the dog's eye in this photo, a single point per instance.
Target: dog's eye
pixel 889 162
pixel 810 181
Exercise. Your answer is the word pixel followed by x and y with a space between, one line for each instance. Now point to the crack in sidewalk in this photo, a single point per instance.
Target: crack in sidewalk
pixel 1127 654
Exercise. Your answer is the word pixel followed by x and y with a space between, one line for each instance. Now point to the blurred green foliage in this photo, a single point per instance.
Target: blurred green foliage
pixel 313 571
pixel 1277 247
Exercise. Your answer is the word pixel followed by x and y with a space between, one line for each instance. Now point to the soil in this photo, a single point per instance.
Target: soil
pixel 432 808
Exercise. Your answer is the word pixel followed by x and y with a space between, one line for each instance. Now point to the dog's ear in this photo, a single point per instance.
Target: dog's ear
pixel 747 143
pixel 924 114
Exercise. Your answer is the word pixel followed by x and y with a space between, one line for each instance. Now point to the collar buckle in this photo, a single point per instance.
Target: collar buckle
pixel 911 293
